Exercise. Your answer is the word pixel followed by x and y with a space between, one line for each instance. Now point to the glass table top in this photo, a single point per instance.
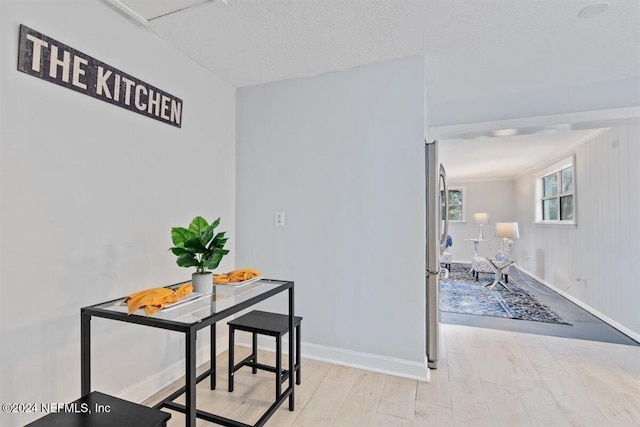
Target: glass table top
pixel 194 307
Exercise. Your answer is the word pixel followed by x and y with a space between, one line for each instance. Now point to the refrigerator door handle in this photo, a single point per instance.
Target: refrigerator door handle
pixel 445 232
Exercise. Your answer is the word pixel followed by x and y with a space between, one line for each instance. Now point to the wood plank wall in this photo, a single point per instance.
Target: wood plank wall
pixel 604 248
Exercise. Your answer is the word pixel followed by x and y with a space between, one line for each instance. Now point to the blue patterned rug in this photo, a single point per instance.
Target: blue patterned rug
pixel 460 293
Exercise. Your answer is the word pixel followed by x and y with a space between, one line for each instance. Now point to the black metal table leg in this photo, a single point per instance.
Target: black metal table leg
pixel 254 345
pixel 291 342
pixel 298 362
pixel 231 357
pixel 213 356
pixel 279 366
pixel 190 377
pixel 85 353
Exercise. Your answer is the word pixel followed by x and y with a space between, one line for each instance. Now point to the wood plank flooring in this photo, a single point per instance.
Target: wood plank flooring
pixel 486 378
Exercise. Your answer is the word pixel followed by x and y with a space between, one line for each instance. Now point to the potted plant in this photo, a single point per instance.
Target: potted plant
pixel 197 246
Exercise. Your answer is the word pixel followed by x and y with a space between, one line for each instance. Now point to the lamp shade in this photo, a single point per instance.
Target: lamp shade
pixel 481 218
pixel 507 230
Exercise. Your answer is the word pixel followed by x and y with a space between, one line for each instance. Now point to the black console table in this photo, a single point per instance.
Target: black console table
pixel 188 318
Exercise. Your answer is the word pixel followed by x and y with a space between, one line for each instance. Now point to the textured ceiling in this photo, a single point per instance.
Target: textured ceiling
pixel 483 46
pixel 504 157
pixel 475 49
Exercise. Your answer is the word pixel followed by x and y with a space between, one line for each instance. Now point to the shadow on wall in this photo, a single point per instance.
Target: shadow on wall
pixel 539 271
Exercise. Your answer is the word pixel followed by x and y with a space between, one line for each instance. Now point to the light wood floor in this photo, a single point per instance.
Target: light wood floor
pixel 486 378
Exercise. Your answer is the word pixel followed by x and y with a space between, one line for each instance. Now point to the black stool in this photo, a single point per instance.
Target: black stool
pixel 101 410
pixel 265 323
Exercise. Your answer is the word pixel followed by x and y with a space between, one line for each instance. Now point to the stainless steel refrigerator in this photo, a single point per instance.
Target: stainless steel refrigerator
pixel 437 229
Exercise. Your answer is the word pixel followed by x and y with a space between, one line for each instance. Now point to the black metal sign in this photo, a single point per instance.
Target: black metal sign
pixel 48 59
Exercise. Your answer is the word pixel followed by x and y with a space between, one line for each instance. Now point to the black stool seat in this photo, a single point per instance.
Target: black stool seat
pixel 101 410
pixel 265 323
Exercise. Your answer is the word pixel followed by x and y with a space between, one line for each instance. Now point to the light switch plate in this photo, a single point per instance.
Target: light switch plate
pixel 279 218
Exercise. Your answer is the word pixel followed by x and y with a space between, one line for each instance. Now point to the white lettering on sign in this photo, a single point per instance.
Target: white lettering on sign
pixel 37 49
pixel 176 111
pixel 55 63
pixel 101 86
pixel 78 71
pixel 154 103
pixel 127 90
pixel 116 93
pixel 139 90
pixel 165 107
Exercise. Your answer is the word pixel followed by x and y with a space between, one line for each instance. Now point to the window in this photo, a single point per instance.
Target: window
pixel 457 199
pixel 555 194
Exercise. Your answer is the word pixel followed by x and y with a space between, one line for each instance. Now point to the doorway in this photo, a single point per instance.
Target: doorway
pixel 492 168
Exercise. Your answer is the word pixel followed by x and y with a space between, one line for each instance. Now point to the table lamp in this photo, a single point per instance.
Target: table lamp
pixel 507 230
pixel 480 219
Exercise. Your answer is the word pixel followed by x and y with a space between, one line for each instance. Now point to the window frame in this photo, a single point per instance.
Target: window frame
pixel 463 205
pixel 556 168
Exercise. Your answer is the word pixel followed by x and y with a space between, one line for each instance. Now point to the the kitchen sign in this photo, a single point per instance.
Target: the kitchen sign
pixel 48 59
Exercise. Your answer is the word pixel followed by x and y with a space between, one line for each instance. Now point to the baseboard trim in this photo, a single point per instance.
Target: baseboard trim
pixel 628 332
pixel 146 388
pixel 142 390
pixel 353 359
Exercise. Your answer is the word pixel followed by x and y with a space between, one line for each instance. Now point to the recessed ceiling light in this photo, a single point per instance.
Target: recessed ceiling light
pixel 505 132
pixel 593 10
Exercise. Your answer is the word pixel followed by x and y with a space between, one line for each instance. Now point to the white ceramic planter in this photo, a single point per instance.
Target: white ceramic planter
pixel 202 283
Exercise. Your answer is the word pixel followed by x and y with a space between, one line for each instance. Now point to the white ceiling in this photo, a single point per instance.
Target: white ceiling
pixel 505 157
pixel 478 47
pixel 475 49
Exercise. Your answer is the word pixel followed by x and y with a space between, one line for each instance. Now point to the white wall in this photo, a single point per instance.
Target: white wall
pixel 497 198
pixel 89 192
pixel 462 108
pixel 603 248
pixel 342 154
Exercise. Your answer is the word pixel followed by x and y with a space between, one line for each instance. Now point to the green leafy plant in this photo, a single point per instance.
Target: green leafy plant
pixel 197 246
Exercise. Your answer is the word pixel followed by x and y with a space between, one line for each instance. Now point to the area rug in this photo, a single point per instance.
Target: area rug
pixel 460 293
